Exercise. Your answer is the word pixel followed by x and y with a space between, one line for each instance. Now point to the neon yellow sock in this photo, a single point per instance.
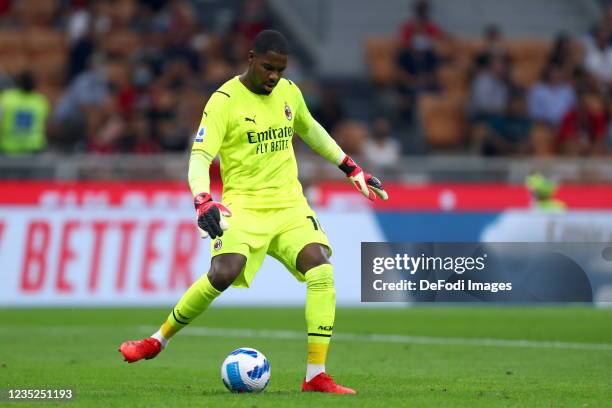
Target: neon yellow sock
pixel 320 311
pixel 197 299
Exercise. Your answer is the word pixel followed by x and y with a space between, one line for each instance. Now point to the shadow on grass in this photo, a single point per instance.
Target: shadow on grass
pixel 216 393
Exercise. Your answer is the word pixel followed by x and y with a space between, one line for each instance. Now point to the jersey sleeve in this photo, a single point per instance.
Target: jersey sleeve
pixel 213 126
pixel 315 135
pixel 303 119
pixel 207 141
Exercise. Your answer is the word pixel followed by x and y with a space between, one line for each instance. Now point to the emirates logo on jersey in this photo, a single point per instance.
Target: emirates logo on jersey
pixel 288 113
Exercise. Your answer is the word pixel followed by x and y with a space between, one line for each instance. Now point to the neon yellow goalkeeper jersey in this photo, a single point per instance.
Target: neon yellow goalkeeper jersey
pixel 252 134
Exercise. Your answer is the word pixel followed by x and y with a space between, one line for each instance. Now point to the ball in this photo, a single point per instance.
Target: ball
pixel 245 370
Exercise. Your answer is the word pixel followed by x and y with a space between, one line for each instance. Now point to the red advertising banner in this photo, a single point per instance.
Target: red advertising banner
pixel 427 197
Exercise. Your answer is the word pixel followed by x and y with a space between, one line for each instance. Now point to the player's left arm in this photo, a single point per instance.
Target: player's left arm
pixel 317 138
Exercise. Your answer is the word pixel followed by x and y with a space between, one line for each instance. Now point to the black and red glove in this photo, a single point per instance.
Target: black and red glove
pixel 365 183
pixel 211 216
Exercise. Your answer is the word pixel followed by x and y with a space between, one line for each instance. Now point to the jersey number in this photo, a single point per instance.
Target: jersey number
pixel 315 223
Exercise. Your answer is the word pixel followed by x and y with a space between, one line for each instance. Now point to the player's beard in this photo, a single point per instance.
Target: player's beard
pixel 265 90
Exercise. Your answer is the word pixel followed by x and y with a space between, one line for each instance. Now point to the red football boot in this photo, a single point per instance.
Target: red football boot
pixel 138 349
pixel 324 383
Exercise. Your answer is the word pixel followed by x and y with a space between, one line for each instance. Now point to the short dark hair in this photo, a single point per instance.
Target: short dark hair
pixel 25 81
pixel 270 40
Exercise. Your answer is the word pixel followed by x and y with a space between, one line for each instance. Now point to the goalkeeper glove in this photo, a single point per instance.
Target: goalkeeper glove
pixel 365 183
pixel 210 215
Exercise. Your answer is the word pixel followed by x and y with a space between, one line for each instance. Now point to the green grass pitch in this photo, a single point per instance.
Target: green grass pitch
pixel 437 357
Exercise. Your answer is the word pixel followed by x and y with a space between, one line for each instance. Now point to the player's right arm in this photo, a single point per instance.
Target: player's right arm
pixel 206 145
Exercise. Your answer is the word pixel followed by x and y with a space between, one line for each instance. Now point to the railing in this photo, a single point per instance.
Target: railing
pixel 420 169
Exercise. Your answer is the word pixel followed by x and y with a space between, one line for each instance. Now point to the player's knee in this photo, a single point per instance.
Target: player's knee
pixel 320 278
pixel 311 256
pixel 224 270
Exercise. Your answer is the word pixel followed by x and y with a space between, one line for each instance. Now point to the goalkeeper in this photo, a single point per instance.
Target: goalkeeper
pixel 250 121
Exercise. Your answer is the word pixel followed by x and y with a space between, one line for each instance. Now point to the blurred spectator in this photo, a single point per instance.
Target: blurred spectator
pixel 490 88
pixel 328 111
pixel 105 137
pixel 583 80
pixel 5 80
pixel 171 134
pixel 138 96
pixel 420 32
pixel 137 137
pixel 90 88
pixel 5 6
pixel 78 24
pixel 505 134
pixel 417 60
pixel 551 97
pixel 81 51
pixel 606 21
pixel 598 56
pixel 181 26
pixel 417 67
pixel 543 191
pixel 382 149
pixel 563 54
pixel 177 74
pixel 81 104
pixel 583 128
pixel 493 43
pixel 23 116
pixel 252 18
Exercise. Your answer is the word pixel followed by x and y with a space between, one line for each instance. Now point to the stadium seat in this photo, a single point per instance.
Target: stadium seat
pixel 453 79
pixel 14 63
pixel 123 11
pixel 11 41
pixel 529 49
pixel 351 136
pixel 542 138
pixel 443 119
pixel 49 67
pixel 525 73
pixel 380 54
pixel 121 43
pixel 42 40
pixel 35 12
pixel 528 58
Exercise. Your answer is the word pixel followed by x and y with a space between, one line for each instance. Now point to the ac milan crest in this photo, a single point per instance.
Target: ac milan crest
pixel 288 113
pixel 218 244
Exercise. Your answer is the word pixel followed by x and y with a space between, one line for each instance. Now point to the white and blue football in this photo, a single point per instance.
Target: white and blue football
pixel 245 370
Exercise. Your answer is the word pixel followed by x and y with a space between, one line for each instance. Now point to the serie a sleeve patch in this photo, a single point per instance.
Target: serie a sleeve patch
pixel 200 134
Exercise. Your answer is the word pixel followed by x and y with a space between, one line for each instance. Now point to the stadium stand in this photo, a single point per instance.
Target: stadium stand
pixel 131 77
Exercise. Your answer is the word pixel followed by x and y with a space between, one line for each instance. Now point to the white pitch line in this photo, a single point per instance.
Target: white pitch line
pixel 389 338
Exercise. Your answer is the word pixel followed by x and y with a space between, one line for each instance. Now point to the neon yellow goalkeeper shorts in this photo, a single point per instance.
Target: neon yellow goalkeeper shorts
pixel 279 232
